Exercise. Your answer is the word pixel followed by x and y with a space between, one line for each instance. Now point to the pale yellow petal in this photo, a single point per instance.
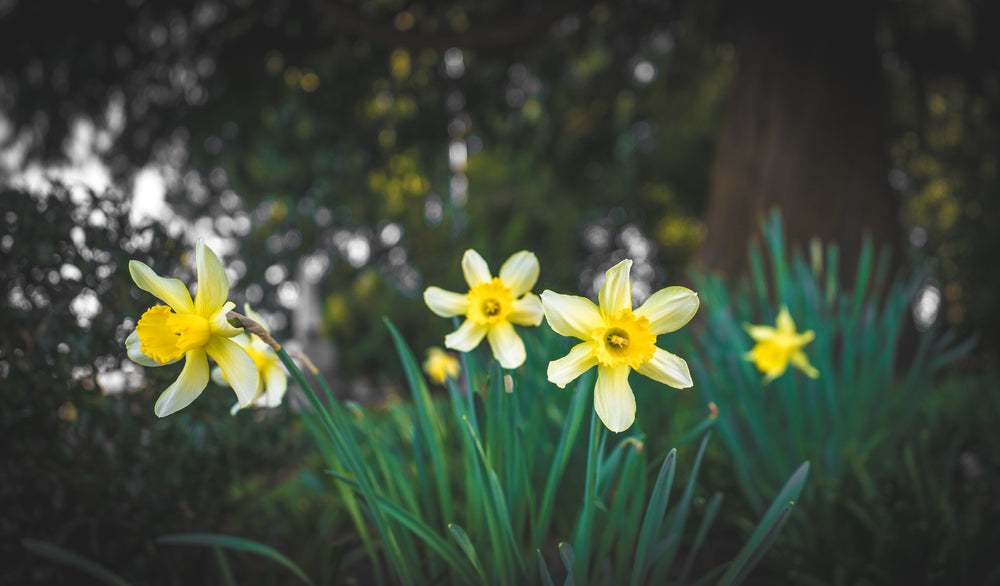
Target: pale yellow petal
pixel 579 360
pixel 520 272
pixel 238 368
pixel 668 369
pixel 171 291
pixel 475 269
pixel 446 303
pixel 527 311
pixel 466 337
pixel 213 284
pixel 616 293
pixel 570 315
pixel 507 346
pixel 219 323
pixel 191 382
pixel 613 398
pixel 669 309
pixel 760 333
pixel 275 385
pixel 801 361
pixel 784 322
pixel 133 349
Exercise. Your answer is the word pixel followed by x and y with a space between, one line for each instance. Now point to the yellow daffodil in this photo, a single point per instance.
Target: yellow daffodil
pixel 193 330
pixel 491 306
pixel 778 346
pixel 440 365
pixel 273 379
pixel 618 340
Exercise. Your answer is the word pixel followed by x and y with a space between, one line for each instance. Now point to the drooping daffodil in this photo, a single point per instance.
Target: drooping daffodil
pixel 192 330
pixel 492 306
pixel 618 340
pixel 273 379
pixel 778 346
pixel 440 365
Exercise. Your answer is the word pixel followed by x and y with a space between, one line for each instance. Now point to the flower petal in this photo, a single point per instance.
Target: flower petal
pixel 171 291
pixel 760 333
pixel 800 360
pixel 220 324
pixel 275 385
pixel 446 303
pixel 669 309
pixel 249 312
pixel 133 348
pixel 668 369
pixel 213 284
pixel 579 360
pixel 191 382
pixel 520 272
pixel 784 321
pixel 475 269
pixel 527 311
pixel 613 398
pixel 616 293
pixel 570 315
pixel 466 337
pixel 507 346
pixel 237 366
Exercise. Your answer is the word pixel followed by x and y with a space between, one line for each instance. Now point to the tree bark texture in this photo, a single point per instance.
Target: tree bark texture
pixel 805 133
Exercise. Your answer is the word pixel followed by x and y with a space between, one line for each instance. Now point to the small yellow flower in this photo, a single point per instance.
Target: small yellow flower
pixel 618 340
pixel 491 306
pixel 193 330
pixel 778 346
pixel 440 365
pixel 273 379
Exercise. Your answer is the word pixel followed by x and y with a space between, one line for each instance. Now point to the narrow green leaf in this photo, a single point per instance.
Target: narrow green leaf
pixel 235 543
pixel 224 569
pixel 711 511
pixel 767 528
pixel 569 560
pixel 543 570
pixel 430 426
pixel 653 518
pixel 65 557
pixel 470 552
pixel 676 527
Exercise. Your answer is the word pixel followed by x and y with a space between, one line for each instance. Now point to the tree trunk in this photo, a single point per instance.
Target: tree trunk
pixel 805 133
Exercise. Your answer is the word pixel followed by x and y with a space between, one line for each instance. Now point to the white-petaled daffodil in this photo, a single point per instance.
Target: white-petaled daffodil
pixel 273 378
pixel 618 340
pixel 192 330
pixel 492 306
pixel 778 346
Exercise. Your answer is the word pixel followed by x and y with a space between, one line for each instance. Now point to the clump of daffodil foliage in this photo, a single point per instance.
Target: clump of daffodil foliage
pixel 496 484
pixel 851 404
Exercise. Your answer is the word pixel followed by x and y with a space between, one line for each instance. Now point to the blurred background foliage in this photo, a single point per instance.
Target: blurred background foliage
pixel 340 156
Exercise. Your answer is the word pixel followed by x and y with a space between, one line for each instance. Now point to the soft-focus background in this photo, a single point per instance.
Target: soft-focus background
pixel 340 155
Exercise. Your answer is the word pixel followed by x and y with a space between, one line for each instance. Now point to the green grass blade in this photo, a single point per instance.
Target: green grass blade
pixel 234 543
pixel 711 511
pixel 569 560
pixel 654 517
pixel 543 570
pixel 767 528
pixel 427 418
pixel 583 530
pixel 676 527
pixel 470 552
pixel 423 532
pixel 64 557
pixel 570 430
pixel 224 568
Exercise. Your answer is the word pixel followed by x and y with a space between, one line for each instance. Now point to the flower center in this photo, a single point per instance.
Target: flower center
pixel 624 339
pixel 165 335
pixel 489 302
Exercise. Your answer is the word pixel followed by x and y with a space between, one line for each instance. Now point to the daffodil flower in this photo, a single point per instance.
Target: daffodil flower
pixel 618 340
pixel 440 365
pixel 491 306
pixel 192 330
pixel 273 379
pixel 778 346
